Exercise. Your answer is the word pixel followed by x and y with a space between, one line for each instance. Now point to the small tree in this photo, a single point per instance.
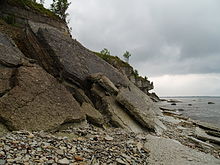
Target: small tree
pixel 105 52
pixel 60 7
pixel 136 74
pixel 127 55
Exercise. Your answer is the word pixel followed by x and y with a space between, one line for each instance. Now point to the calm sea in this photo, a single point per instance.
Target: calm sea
pixel 197 108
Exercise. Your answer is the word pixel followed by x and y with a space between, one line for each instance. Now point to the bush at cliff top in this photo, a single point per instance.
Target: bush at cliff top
pixel 108 58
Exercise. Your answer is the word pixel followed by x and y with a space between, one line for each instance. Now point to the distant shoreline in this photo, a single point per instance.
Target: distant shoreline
pixel 189 96
pixel 201 108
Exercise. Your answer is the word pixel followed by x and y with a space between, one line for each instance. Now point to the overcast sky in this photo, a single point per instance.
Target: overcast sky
pixel 176 43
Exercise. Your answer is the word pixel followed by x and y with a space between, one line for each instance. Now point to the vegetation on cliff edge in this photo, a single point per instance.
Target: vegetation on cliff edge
pixel 110 59
pixel 28 4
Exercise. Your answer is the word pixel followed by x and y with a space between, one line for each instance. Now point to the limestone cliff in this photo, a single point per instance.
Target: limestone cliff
pixel 49 80
pixel 141 82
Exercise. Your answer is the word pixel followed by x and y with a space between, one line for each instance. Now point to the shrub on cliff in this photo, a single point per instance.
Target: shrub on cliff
pixel 127 55
pixel 60 7
pixel 105 52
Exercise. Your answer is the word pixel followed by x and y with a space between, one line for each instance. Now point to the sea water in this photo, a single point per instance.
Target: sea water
pixel 197 108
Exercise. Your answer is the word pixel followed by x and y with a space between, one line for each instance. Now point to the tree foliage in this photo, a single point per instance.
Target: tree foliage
pixel 60 7
pixel 105 51
pixel 127 55
pixel 136 74
pixel 42 2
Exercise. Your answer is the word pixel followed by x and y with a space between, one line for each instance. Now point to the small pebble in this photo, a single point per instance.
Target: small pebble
pixel 63 161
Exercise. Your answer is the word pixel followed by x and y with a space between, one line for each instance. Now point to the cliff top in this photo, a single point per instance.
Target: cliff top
pixel 30 5
pixel 111 59
pixel 118 63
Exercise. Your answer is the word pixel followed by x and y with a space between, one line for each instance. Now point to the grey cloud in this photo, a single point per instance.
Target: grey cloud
pixel 164 37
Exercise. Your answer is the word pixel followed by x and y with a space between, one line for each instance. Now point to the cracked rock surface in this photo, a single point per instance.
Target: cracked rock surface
pixel 37 102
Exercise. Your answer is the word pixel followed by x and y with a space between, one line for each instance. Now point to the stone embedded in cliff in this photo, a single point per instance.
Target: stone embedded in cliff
pixel 10 55
pixel 76 62
pixel 37 102
pixel 141 107
pixel 104 82
pixel 92 114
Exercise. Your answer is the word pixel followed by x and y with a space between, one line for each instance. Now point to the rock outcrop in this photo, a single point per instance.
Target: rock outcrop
pixel 30 98
pixel 75 61
pixel 126 69
pixel 50 79
pixel 141 107
pixel 114 114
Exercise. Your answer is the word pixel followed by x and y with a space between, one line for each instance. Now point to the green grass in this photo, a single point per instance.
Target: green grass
pixel 25 4
pixel 112 59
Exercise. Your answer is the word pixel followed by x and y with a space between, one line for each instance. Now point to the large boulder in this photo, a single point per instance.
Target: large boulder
pixel 92 115
pixel 37 102
pixel 141 107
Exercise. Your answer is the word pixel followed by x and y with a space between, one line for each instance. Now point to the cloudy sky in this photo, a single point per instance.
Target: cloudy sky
pixel 176 43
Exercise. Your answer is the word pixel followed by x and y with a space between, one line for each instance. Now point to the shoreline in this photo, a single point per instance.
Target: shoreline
pixel 183 142
pixel 194 107
pixel 195 134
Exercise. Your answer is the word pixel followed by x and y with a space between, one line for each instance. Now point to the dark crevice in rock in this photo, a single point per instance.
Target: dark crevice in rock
pixel 7 124
pixel 12 83
pixel 65 76
pixel 8 65
pixel 38 50
pixel 13 80
pixel 77 93
pixel 4 93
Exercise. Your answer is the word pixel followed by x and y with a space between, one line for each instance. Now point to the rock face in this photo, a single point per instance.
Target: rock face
pixel 10 55
pixel 75 62
pixel 113 113
pixel 37 102
pixel 141 82
pixel 30 98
